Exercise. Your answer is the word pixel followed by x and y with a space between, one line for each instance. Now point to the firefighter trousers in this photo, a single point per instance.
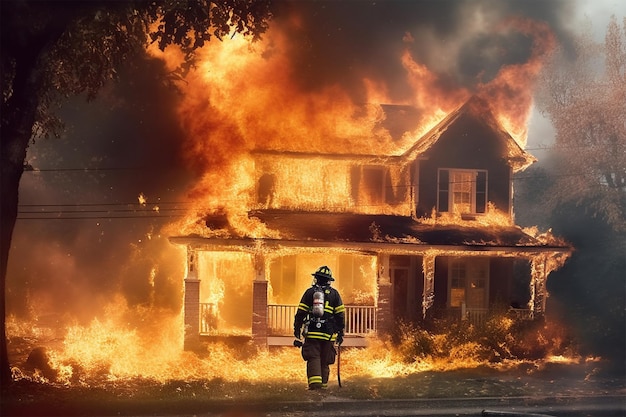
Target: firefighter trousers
pixel 319 355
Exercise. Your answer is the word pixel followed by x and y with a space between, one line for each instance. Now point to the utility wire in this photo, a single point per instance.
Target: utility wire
pixel 29 168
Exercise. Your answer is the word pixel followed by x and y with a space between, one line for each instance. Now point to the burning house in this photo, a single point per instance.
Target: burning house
pixel 419 235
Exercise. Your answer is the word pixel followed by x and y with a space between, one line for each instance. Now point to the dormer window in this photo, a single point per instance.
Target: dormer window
pixel 462 191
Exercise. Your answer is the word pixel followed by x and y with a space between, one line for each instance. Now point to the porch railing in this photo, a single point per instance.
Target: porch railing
pixel 360 320
pixel 478 316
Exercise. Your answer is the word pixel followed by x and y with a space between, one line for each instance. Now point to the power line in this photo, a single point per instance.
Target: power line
pixel 103 204
pixel 98 217
pixel 29 168
pixel 161 206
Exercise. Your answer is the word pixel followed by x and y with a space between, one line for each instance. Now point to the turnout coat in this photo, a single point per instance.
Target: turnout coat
pixel 331 322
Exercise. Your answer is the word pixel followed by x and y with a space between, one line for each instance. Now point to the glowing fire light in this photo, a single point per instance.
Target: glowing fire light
pixel 242 98
pixel 107 351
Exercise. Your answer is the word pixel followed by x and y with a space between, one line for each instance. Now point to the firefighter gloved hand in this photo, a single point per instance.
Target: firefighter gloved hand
pixel 339 338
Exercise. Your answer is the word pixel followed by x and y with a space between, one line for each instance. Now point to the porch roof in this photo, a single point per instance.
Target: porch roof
pixel 350 227
pixel 372 231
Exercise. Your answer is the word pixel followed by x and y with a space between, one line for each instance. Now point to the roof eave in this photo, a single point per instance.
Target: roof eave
pixel 252 245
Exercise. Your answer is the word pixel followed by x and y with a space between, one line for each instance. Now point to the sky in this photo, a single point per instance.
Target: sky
pixel 93 208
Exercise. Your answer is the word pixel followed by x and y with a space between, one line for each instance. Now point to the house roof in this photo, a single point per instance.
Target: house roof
pixel 480 110
pixel 350 227
pixel 399 117
pixel 368 231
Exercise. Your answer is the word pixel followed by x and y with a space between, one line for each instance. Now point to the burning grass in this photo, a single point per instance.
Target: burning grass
pixel 106 369
pixel 104 353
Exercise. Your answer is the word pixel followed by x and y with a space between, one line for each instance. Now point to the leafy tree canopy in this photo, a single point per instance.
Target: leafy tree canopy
pixel 69 47
pixel 583 92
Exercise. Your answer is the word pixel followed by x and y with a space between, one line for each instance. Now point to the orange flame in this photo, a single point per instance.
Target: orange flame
pixel 243 96
pixel 511 92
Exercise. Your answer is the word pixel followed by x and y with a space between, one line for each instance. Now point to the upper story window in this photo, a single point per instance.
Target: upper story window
pixel 462 191
pixel 373 184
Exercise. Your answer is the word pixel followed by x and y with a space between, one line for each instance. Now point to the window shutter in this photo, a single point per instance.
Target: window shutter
pixel 481 192
pixel 443 190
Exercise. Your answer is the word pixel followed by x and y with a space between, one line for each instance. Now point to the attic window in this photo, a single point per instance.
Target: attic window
pixel 462 191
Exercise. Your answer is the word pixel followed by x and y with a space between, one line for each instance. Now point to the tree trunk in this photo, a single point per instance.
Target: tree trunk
pixel 12 169
pixel 18 118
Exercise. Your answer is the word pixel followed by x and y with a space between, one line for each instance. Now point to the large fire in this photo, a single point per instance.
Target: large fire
pixel 241 98
pixel 131 343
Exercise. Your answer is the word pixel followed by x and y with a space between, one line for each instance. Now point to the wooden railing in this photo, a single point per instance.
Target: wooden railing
pixel 280 319
pixel 478 316
pixel 360 320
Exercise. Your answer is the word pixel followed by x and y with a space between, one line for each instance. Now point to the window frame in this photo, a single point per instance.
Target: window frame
pixel 378 197
pixel 468 268
pixel 478 190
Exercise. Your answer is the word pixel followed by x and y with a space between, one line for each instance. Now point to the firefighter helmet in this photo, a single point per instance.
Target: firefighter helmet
pixel 323 274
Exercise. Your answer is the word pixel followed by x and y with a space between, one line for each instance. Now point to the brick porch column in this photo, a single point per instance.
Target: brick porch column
pixel 384 318
pixel 191 305
pixel 259 302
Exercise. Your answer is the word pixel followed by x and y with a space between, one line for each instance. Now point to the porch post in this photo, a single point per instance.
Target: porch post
pixel 384 319
pixel 538 291
pixel 428 296
pixel 191 306
pixel 259 302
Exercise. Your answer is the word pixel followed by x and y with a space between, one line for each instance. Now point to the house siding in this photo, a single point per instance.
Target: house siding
pixel 384 318
pixel 468 144
pixel 500 272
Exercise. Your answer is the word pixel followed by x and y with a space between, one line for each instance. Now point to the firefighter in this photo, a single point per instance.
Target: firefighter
pixel 320 318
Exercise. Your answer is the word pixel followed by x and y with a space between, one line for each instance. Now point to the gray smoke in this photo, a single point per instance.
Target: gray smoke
pixel 342 42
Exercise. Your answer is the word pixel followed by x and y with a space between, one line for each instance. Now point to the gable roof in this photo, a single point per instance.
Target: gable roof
pixel 476 108
pixel 479 110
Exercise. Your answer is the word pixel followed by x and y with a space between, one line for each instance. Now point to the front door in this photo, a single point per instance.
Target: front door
pixel 407 282
pixel 468 282
pixel 399 282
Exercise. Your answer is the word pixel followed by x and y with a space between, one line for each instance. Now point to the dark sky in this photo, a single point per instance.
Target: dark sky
pixel 129 142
